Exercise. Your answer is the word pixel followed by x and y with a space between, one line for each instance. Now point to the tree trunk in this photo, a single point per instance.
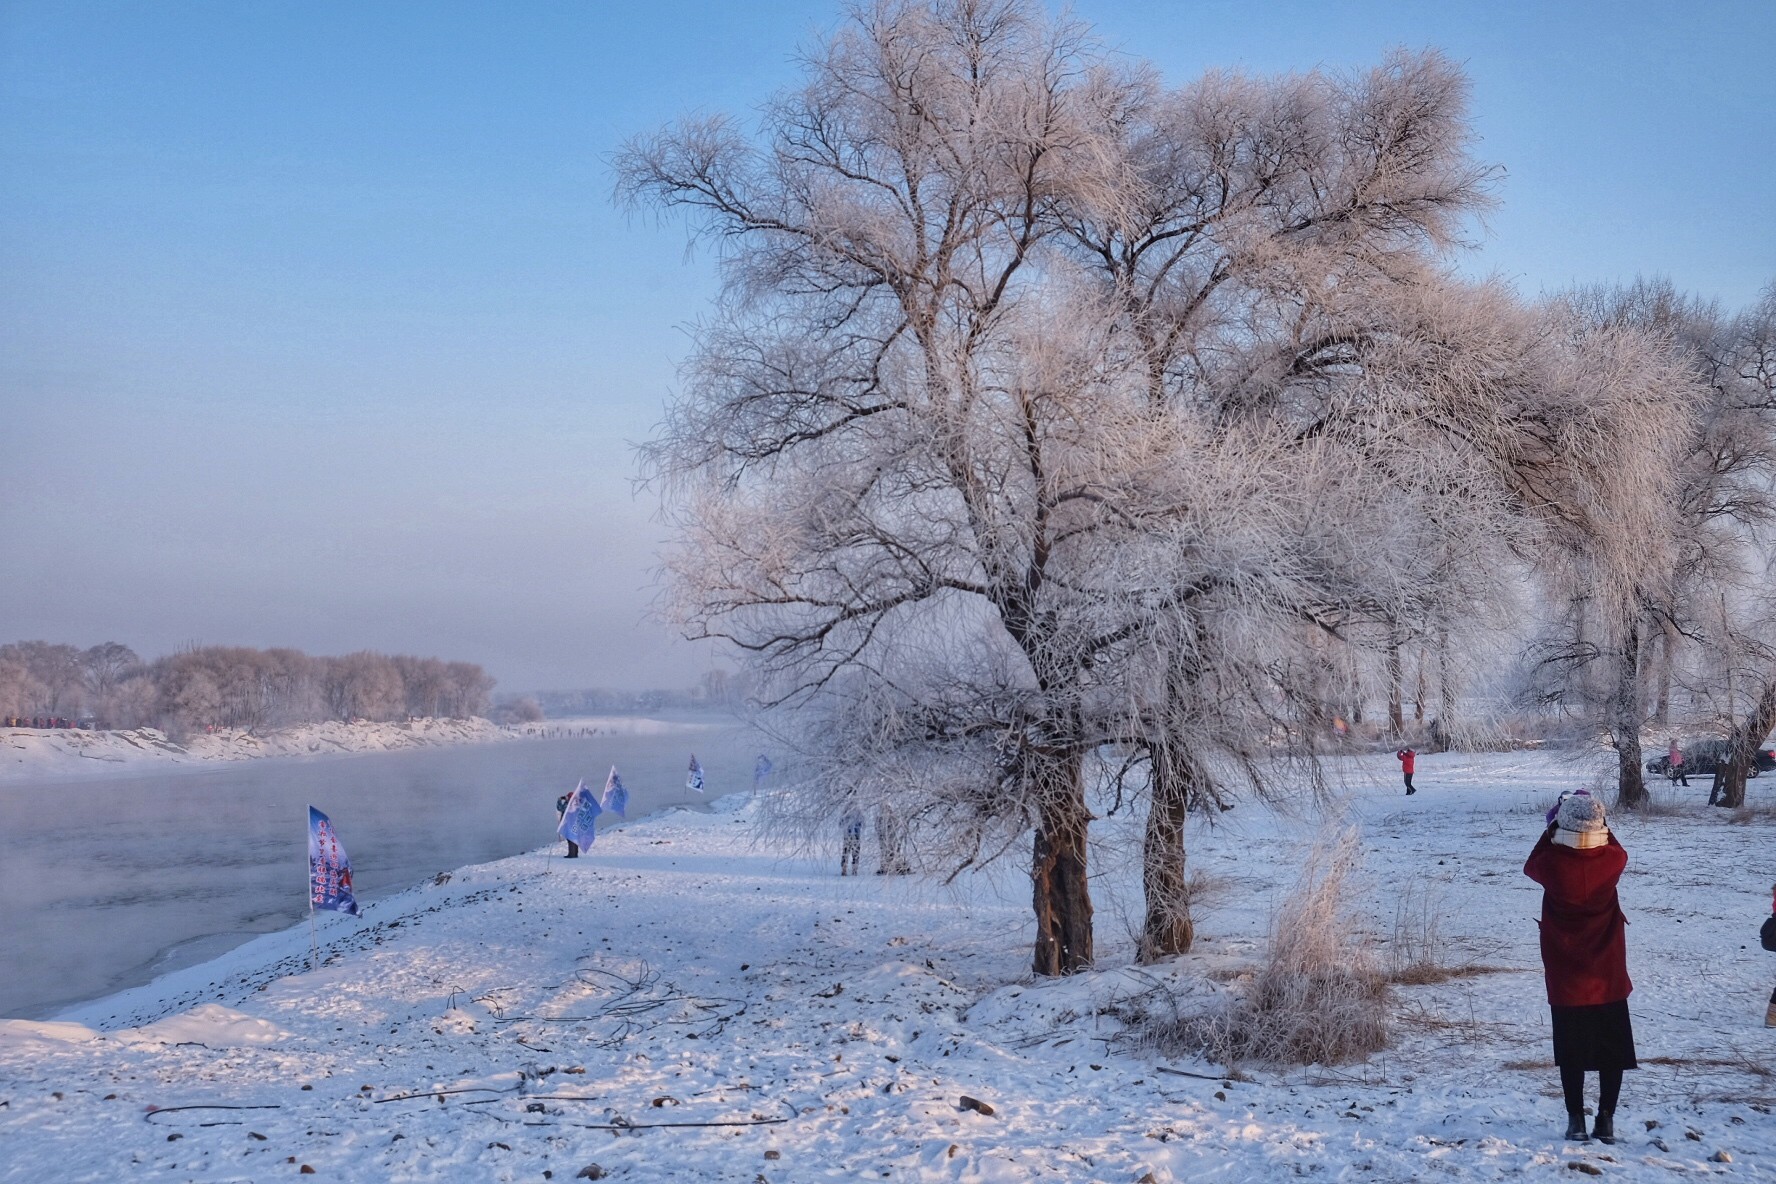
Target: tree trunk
pixel 1626 716
pixel 1061 895
pixel 1418 689
pixel 1667 654
pixel 1445 691
pixel 1166 929
pixel 1746 737
pixel 1396 710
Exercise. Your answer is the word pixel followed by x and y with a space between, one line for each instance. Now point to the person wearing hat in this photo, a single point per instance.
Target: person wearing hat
pixel 1585 956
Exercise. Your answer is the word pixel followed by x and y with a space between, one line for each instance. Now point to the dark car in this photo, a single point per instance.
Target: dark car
pixel 1705 756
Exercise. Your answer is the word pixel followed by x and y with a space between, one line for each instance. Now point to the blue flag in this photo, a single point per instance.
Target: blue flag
pixel 579 822
pixel 762 766
pixel 694 780
pixel 616 794
pixel 329 869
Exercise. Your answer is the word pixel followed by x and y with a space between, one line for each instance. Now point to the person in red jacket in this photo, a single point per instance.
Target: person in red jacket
pixel 1408 759
pixel 1767 938
pixel 1585 957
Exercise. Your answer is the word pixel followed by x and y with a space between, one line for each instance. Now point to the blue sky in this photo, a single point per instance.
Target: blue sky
pixel 319 328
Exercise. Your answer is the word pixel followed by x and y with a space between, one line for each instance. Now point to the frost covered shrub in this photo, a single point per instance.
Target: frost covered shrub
pixel 1319 997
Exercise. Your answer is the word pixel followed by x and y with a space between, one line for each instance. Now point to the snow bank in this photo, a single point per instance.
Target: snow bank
pixel 34 754
pixel 692 1001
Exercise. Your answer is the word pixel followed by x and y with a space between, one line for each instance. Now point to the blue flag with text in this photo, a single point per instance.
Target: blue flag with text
pixel 616 794
pixel 329 868
pixel 579 822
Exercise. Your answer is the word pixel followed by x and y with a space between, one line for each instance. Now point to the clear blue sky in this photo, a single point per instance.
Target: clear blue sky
pixel 318 328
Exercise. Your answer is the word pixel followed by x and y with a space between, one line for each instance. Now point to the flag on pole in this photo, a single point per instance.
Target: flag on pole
pixel 760 767
pixel 694 779
pixel 579 822
pixel 616 794
pixel 329 869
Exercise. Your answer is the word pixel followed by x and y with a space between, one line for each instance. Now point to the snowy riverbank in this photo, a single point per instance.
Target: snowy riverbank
pixel 497 1024
pixel 33 754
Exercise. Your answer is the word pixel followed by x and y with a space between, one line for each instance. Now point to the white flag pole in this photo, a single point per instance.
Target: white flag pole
pixel 313 943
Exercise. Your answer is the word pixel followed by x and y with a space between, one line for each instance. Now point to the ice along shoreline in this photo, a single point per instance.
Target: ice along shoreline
pixel 39 754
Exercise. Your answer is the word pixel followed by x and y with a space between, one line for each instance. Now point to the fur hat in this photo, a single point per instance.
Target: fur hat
pixel 1580 822
pixel 1581 812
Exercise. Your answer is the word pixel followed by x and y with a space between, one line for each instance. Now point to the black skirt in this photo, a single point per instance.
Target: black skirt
pixel 1597 1037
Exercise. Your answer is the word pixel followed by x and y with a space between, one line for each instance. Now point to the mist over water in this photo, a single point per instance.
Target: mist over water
pixel 109 883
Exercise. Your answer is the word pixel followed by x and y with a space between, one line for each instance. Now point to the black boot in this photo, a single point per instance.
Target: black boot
pixel 1575 1128
pixel 1604 1127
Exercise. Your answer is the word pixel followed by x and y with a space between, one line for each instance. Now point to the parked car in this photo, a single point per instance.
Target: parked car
pixel 1704 756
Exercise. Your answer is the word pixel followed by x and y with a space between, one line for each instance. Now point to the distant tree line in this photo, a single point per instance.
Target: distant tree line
pixel 204 687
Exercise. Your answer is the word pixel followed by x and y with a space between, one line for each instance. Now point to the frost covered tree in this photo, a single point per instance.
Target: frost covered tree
pixel 894 433
pixel 1719 612
pixel 103 666
pixel 1741 441
pixel 1045 408
pixel 1265 250
pixel 1703 556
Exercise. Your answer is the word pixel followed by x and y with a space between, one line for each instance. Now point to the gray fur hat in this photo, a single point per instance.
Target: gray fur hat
pixel 1581 812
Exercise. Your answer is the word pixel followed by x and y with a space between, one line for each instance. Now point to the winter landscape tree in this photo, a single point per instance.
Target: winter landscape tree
pixel 1617 642
pixel 1046 408
pixel 233 686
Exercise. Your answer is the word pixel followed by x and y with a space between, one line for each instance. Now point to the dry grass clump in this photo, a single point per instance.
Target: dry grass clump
pixel 1319 997
pixel 1415 954
pixel 1657 804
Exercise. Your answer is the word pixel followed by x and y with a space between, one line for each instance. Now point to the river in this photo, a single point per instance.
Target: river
pixel 109 883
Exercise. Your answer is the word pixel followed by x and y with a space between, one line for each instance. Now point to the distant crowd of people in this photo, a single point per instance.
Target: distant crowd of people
pixel 44 721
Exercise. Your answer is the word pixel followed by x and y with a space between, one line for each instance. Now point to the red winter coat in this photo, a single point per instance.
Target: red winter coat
pixel 1408 759
pixel 1584 943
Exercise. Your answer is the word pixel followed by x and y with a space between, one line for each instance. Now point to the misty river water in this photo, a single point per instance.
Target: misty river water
pixel 109 883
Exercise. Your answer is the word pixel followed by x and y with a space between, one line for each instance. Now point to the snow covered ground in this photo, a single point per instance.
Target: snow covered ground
pixel 697 1001
pixel 34 754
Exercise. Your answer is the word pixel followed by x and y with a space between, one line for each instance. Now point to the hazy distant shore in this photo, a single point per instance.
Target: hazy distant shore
pixel 32 754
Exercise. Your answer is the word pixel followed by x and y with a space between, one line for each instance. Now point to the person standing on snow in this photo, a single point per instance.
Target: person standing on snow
pixel 1585 957
pixel 1767 938
pixel 1408 759
pixel 573 848
pixel 1676 768
pixel 852 852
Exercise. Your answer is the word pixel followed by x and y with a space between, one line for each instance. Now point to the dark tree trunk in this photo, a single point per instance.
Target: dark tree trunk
pixel 1626 716
pixel 1166 929
pixel 1061 895
pixel 1746 737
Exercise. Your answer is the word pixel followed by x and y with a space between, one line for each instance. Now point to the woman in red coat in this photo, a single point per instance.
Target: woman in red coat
pixel 1585 957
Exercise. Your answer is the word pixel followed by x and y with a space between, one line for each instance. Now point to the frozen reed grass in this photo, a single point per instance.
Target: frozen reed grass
pixel 1318 998
pixel 1415 955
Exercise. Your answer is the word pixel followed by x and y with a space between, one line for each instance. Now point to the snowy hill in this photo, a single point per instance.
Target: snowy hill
pixel 694 1001
pixel 41 754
